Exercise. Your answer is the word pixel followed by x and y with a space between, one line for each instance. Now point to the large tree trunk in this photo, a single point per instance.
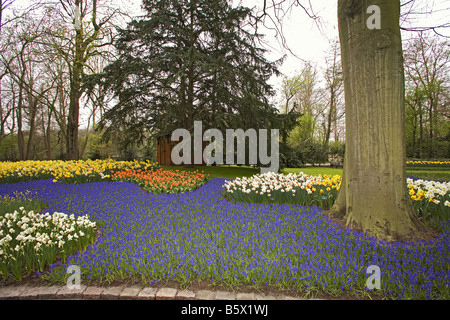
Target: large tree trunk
pixel 72 124
pixel 373 196
pixel 75 95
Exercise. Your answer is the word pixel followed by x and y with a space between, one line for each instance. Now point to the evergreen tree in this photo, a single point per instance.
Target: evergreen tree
pixel 186 61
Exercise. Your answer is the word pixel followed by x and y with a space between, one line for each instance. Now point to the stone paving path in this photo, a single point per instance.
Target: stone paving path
pixel 26 292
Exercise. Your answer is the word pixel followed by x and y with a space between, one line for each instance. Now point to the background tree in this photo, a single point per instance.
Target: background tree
pixel 427 66
pixel 304 94
pixel 90 32
pixel 289 154
pixel 38 50
pixel 21 62
pixel 334 90
pixel 414 117
pixel 5 20
pixel 185 61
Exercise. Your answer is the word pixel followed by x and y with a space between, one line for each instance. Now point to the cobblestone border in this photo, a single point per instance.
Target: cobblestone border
pixel 26 292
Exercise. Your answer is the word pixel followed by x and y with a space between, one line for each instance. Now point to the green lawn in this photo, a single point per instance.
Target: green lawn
pixel 314 171
pixel 442 175
pixel 231 172
pixel 227 172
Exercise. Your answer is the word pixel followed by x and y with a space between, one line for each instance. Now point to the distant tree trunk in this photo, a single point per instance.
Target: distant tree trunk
pixel 420 132
pixel 330 116
pixel 2 123
pixel 335 127
pixel 33 110
pixel 430 143
pixel 414 133
pixel 46 131
pixel 86 139
pixel 373 196
pixel 19 116
pixel 61 114
pixel 333 78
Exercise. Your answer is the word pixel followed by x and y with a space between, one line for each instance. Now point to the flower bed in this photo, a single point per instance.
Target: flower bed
pixel 428 163
pixel 430 198
pixel 292 188
pixel 160 180
pixel 30 241
pixel 169 234
pixel 68 171
pixel 188 237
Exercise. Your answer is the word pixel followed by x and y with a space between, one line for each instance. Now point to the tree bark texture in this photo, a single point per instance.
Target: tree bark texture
pixel 373 197
pixel 72 149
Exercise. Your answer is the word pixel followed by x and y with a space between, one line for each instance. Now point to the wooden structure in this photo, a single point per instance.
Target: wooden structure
pixel 164 152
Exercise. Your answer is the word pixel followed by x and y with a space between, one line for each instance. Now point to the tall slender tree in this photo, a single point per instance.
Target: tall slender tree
pixel 427 66
pixel 334 85
pixel 4 4
pixel 90 32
